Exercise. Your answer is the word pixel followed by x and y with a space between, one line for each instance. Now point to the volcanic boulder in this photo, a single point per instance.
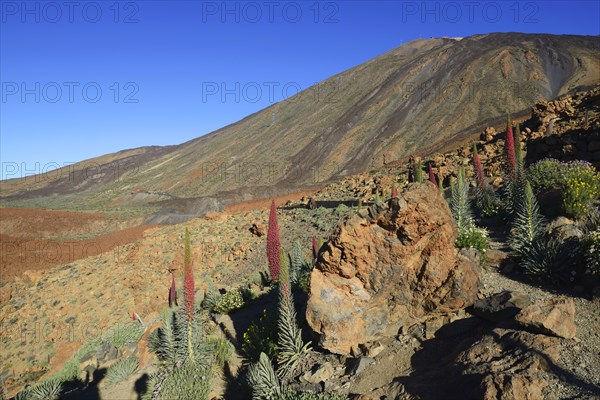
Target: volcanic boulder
pixel 392 266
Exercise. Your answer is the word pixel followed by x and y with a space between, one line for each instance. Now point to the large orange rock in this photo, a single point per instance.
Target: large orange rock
pixel 389 266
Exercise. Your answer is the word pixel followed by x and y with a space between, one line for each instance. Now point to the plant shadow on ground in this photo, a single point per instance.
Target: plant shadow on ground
pixel 141 385
pixel 84 390
pixel 437 362
pixel 242 319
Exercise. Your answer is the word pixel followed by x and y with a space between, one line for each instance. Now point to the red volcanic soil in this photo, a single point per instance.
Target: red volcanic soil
pixel 37 240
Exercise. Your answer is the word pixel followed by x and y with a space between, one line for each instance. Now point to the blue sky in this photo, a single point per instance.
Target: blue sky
pixel 95 77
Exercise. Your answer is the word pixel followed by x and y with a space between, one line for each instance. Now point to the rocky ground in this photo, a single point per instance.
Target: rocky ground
pixel 441 352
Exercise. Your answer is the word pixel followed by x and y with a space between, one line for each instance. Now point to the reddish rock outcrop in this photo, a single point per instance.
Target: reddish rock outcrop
pixel 554 317
pixel 387 267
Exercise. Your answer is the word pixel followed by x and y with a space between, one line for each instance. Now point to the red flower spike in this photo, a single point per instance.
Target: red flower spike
pixel 511 159
pixel 172 292
pixel 273 244
pixel 188 280
pixel 432 176
pixel 478 169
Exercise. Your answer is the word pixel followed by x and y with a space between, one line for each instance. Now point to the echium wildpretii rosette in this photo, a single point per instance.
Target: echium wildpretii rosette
pixel 273 244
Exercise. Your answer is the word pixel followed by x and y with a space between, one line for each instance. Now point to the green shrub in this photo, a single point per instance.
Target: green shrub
pixel 221 348
pixel 473 237
pixel 121 370
pixel 261 337
pixel 579 194
pixel 545 174
pixel 228 302
pixel 188 381
pixel 121 334
pixel 48 390
pixel 578 182
pixel 289 394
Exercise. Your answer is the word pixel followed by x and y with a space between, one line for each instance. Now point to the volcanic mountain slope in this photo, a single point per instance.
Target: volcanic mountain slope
pixel 415 99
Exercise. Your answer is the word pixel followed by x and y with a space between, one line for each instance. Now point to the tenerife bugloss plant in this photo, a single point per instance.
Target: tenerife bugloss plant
pixel 478 167
pixel 509 152
pixel 315 249
pixel 273 244
pixel 172 292
pixel 263 380
pixel 469 235
pixel 432 176
pixel 180 344
pixel 394 192
pixel 297 262
pixel 188 292
pixel 418 171
pixel 459 201
pixel 526 236
pixel 519 157
pixel 486 200
pixel 289 337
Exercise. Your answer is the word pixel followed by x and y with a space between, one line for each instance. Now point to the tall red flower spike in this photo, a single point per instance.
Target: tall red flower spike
pixel 315 249
pixel 432 176
pixel 172 292
pixel 284 281
pixel 509 147
pixel 394 192
pixel 188 280
pixel 273 244
pixel 478 169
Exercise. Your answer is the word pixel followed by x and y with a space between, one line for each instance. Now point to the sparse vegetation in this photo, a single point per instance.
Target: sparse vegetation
pixel 50 389
pixel 261 337
pixel 230 301
pixel 121 370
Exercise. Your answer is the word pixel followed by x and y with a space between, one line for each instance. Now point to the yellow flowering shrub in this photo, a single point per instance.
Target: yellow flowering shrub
pixel 579 194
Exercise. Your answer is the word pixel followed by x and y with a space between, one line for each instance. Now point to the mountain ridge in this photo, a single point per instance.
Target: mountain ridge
pixel 415 97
